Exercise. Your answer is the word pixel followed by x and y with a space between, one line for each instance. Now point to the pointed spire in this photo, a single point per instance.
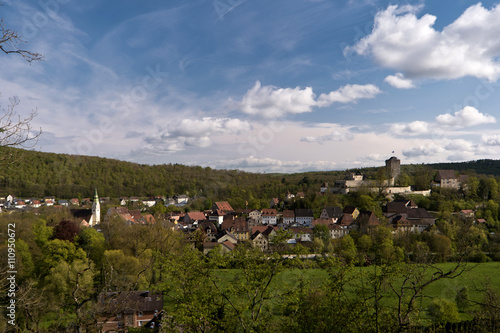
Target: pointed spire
pixel 96 197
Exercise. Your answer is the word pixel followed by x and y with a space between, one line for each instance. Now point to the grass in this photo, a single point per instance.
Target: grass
pixel 475 279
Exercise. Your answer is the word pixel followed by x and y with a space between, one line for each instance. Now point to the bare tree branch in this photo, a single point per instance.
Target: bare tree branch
pixel 10 42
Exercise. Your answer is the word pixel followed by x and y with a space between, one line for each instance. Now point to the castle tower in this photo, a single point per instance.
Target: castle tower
pixel 96 211
pixel 393 168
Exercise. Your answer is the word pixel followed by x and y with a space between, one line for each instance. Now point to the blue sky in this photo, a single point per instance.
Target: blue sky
pixel 266 86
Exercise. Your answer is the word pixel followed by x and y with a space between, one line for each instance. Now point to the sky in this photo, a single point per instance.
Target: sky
pixel 260 86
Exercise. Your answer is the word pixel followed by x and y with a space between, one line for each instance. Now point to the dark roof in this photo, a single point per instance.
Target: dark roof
pixel 303 213
pixel 335 212
pixel 419 213
pixel 349 210
pixel 130 301
pixel 208 225
pixel 445 174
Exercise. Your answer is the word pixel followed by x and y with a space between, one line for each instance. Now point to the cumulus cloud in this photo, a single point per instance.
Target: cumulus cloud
pixel 274 102
pixel 467 47
pixel 399 81
pixel 468 116
pixel 348 94
pixel 267 164
pixel 413 128
pixel 335 136
pixel 491 140
pixel 427 149
pixel 193 132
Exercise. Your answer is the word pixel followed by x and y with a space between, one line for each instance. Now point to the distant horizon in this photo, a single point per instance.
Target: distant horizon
pixel 273 172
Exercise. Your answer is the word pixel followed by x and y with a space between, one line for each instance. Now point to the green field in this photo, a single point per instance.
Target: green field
pixel 474 279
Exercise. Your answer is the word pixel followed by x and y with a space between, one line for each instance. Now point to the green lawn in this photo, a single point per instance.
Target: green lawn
pixel 474 279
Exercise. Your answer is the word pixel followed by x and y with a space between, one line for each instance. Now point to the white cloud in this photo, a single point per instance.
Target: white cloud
pixel 335 136
pixel 193 133
pixel 348 94
pixel 467 47
pixel 274 102
pixel 468 116
pixel 428 149
pixel 491 140
pixel 266 164
pixel 399 81
pixel 413 128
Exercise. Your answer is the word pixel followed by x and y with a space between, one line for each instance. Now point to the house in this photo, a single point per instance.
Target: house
pixel 288 217
pixel 136 215
pixel 227 246
pixel 238 227
pixel 268 216
pixel 303 234
pixel 274 202
pixel 466 214
pixel 63 203
pixel 334 213
pixel 289 196
pixel 366 222
pixel 300 195
pixel 324 188
pixel 259 240
pixel 147 219
pixel 404 215
pixel 209 230
pixel 225 235
pixel 217 217
pixel 194 217
pixel 223 206
pixel 134 200
pixel 255 215
pixel 447 179
pixel 36 203
pixel 336 231
pixel 119 310
pixel 304 217
pixel 149 202
pixel 121 212
pixel 415 220
pixel 19 204
pixel 350 211
pixel 74 202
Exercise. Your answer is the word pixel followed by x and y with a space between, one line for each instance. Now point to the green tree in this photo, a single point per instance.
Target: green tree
pixel 442 310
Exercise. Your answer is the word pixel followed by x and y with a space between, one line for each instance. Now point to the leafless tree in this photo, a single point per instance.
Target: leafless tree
pixel 16 130
pixel 11 42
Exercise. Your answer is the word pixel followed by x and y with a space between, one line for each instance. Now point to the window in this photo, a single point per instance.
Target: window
pixel 139 314
pixel 119 316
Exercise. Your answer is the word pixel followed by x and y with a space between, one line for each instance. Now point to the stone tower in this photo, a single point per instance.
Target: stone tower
pixel 393 168
pixel 96 211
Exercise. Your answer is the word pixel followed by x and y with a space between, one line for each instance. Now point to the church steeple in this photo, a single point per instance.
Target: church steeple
pixel 96 210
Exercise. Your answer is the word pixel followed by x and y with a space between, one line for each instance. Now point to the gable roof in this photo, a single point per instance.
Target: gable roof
pixel 268 212
pixel 130 301
pixel 445 174
pixel 335 211
pixel 196 216
pixel 223 206
pixel 303 213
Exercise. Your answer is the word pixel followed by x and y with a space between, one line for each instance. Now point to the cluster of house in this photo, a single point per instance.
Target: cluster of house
pixel 223 226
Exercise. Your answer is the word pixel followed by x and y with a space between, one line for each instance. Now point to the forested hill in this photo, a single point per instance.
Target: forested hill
pixel 38 174
pixel 485 167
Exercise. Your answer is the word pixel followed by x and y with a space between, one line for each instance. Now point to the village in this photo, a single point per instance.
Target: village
pixel 225 227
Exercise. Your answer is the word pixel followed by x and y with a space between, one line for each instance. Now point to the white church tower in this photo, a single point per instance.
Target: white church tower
pixel 96 211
